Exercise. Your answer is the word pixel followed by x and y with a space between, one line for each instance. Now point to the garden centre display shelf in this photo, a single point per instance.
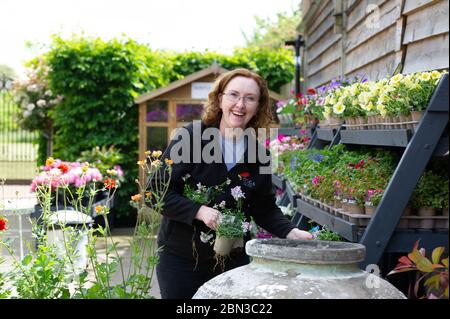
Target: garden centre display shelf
pixel 278 181
pixel 385 231
pixel 325 137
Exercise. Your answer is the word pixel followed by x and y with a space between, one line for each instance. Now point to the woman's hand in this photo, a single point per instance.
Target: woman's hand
pixel 209 216
pixel 298 234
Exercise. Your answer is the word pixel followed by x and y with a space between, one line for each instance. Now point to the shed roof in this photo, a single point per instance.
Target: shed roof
pixel 213 69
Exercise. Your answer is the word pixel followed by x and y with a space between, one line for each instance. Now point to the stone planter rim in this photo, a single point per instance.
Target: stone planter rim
pixel 306 251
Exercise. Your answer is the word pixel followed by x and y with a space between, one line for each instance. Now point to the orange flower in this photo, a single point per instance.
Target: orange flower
pixel 99 208
pixel 169 161
pixel 148 194
pixel 110 183
pixel 136 197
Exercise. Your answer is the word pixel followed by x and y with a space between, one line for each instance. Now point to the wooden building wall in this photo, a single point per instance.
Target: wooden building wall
pixel 376 36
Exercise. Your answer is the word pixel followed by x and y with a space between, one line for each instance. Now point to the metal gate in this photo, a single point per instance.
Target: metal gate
pixel 18 148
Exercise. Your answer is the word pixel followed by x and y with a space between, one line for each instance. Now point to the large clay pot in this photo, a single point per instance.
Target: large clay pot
pixel 296 269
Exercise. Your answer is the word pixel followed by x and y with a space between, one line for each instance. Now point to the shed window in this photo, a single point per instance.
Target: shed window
pixel 187 112
pixel 157 111
pixel 157 138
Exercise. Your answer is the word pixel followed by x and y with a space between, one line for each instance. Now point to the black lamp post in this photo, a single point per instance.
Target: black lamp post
pixel 297 44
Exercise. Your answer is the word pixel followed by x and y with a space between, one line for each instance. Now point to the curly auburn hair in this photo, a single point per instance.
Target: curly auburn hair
pixel 212 113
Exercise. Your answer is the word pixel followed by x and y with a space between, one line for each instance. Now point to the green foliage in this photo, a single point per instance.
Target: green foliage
pixel 326 174
pixel 107 161
pixel 431 191
pixel 273 34
pixel 274 65
pixel 326 234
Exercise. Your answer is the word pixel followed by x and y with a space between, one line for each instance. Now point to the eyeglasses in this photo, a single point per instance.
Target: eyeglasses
pixel 234 97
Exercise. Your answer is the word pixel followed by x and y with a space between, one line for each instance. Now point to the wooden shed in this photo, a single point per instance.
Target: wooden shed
pixel 373 37
pixel 163 110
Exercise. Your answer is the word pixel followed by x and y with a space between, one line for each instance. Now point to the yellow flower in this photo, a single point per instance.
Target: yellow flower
pixel 332 101
pixel 169 161
pixel 85 167
pixel 381 107
pixel 435 74
pixel 425 76
pixel 396 78
pixel 354 90
pixel 49 161
pixel 156 154
pixel 328 110
pixel 338 108
pixel 141 163
pixel 156 163
pixel 147 153
pixel 370 106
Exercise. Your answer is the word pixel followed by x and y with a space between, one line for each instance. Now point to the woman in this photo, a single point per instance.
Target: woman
pixel 239 100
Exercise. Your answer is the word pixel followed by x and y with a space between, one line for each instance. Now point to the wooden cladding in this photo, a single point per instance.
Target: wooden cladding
pixel 377 36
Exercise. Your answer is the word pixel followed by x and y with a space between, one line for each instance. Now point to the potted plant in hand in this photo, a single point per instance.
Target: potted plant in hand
pixel 231 227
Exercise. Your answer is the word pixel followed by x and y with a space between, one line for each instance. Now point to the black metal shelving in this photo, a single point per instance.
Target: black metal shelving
pixel 381 234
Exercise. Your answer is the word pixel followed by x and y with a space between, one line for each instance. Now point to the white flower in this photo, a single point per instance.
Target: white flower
pixel 237 193
pixel 32 88
pixel 48 93
pixel 26 114
pixel 204 237
pixel 222 204
pixel 338 108
pixel 30 107
pixel 246 226
pixel 41 103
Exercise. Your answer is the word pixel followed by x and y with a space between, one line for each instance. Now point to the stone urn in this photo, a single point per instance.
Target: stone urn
pixel 295 269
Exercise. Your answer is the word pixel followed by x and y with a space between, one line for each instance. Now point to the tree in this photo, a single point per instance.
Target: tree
pixel 7 72
pixel 273 34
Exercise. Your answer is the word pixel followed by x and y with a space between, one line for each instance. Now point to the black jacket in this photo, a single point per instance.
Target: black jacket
pixel 180 230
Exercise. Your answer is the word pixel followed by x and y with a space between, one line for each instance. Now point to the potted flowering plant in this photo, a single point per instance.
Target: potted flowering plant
pixel 373 199
pixel 69 182
pixel 231 227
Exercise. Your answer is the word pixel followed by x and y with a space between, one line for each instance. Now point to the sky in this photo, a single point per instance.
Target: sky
pixel 163 24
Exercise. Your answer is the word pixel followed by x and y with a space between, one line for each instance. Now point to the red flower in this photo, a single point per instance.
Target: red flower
pixel 3 222
pixel 63 168
pixel 244 174
pixel 110 183
pixel 311 91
